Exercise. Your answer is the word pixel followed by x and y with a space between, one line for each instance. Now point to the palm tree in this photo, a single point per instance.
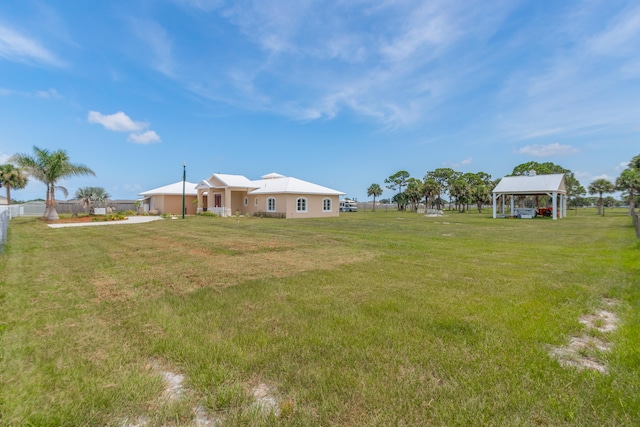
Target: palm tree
pixel 376 191
pixel 50 167
pixel 459 188
pixel 480 195
pixel 90 195
pixel 601 186
pixel 12 177
pixel 100 195
pixel 430 189
pixel 85 196
pixel 629 180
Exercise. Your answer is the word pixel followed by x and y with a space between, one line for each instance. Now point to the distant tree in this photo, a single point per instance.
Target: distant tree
pixel 430 191
pixel 401 200
pixel 397 181
pixel 480 186
pixel 443 176
pixel 89 196
pixel 600 187
pixel 611 202
pixel 376 191
pixel 50 167
pixel 629 181
pixel 575 192
pixel 414 192
pixel 12 177
pixel 460 190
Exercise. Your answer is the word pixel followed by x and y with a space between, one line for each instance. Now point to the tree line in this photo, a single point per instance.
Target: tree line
pixel 48 167
pixel 466 189
pixel 463 189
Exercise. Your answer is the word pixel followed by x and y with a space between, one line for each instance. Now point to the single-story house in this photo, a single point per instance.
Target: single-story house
pixel 168 199
pixel 272 195
pixel 3 201
pixel 552 185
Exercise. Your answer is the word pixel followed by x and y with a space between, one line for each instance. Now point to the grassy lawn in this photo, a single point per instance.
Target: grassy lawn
pixel 372 318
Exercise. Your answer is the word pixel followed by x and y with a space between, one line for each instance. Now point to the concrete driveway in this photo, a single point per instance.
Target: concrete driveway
pixel 129 220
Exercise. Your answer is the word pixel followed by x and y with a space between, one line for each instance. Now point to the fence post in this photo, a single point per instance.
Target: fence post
pixel 4 226
pixel 636 222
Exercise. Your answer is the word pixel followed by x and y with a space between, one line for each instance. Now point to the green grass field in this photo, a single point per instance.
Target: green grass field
pixel 369 319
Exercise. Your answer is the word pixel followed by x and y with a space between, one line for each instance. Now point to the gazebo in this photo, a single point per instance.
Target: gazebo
pixel 551 185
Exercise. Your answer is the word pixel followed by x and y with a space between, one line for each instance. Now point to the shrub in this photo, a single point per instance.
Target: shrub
pixel 207 213
pixel 270 214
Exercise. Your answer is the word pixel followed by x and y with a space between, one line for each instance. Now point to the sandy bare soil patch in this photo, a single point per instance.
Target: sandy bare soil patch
pixel 264 399
pixel 585 351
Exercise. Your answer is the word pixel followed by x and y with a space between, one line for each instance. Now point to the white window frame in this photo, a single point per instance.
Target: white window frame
pixel 305 203
pixel 246 201
pixel 269 208
pixel 327 204
pixel 255 201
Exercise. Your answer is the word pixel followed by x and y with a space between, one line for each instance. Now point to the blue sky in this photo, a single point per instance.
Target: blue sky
pixel 342 94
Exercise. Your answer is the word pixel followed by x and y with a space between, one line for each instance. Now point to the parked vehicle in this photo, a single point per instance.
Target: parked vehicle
pixel 545 211
pixel 348 206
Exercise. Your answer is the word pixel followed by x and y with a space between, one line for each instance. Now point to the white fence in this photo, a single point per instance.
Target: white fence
pixel 4 226
pixel 11 211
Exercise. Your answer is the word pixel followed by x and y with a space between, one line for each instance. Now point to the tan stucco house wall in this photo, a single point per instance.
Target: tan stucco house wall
pixel 168 199
pixel 227 194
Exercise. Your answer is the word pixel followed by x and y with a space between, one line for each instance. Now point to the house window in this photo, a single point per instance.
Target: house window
pixel 301 204
pixel 255 202
pixel 326 205
pixel 246 201
pixel 271 204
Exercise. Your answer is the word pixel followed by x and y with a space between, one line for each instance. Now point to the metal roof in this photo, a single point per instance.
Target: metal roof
pixel 290 185
pixel 175 188
pixel 536 184
pixel 237 181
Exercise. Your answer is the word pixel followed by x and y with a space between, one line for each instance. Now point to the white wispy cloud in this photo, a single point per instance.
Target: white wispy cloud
pixel 206 5
pixel 622 35
pixel 17 47
pixel 118 122
pixel 622 166
pixel 158 44
pixel 144 137
pixel 456 165
pixel 603 176
pixel 548 150
pixel 44 94
pixel 310 61
pixel 571 90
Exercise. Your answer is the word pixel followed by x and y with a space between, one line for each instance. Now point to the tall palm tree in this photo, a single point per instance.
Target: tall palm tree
pixel 12 177
pixel 601 186
pixel 629 180
pixel 49 167
pixel 376 191
pixel 430 189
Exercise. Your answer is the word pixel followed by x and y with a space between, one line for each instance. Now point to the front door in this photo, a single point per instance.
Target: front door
pixel 217 200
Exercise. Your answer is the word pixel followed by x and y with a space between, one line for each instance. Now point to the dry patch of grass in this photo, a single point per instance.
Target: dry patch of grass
pixel 153 272
pixel 584 351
